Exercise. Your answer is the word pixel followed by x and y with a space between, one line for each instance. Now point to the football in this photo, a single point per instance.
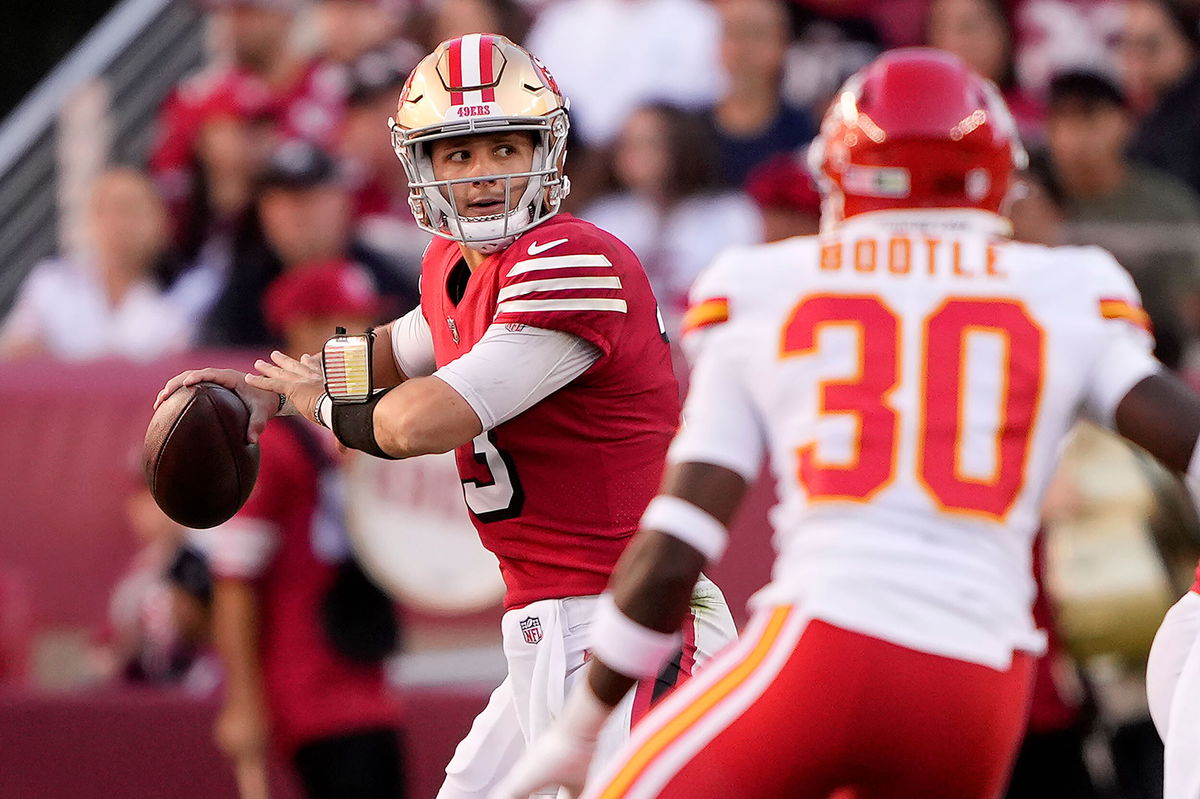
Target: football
pixel 198 464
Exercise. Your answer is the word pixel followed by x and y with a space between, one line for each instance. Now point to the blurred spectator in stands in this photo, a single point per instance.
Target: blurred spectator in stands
pixel 752 121
pixel 1058 35
pixel 234 137
pixel 981 33
pixel 825 53
pixel 449 19
pixel 156 629
pixel 898 21
pixel 1038 210
pixel 106 301
pixel 611 56
pixel 304 209
pixel 1149 220
pixel 298 98
pixel 301 631
pixel 349 28
pixel 382 217
pixel 786 196
pixel 1159 50
pixel 667 204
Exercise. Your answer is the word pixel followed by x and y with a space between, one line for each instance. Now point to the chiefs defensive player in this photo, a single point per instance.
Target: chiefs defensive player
pixel 537 355
pixel 910 373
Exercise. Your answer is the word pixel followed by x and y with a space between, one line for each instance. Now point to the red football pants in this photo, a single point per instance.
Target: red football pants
pixel 805 710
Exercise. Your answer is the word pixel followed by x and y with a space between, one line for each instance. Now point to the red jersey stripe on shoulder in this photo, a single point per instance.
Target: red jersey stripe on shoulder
pixel 558 262
pixel 486 74
pixel 1115 308
pixel 456 69
pixel 572 304
pixel 558 284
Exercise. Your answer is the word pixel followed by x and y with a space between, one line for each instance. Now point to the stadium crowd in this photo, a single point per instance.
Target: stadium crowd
pixel 272 204
pixel 688 138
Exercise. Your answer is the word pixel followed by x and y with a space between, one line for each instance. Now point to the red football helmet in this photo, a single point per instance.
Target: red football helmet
pixel 915 128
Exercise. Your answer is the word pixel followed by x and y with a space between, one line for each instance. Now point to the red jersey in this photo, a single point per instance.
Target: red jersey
pixel 311 691
pixel 557 491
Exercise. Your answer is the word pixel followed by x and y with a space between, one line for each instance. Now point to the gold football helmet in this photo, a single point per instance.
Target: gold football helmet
pixel 481 83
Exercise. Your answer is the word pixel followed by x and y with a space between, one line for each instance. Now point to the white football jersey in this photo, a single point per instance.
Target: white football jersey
pixel 911 377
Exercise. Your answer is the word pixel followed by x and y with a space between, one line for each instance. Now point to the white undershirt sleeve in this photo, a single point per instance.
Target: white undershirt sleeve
pixel 720 423
pixel 412 344
pixel 510 371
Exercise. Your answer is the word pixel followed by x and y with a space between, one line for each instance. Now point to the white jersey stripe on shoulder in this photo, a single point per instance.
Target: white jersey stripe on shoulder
pixel 581 304
pixel 558 262
pixel 558 284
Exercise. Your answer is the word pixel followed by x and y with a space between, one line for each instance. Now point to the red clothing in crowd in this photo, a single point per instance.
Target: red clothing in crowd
pixel 311 107
pixel 311 691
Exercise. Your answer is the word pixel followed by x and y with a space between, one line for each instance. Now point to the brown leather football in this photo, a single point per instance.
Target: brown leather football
pixel 198 464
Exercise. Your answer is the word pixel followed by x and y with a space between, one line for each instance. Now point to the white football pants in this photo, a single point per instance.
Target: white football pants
pixel 544 643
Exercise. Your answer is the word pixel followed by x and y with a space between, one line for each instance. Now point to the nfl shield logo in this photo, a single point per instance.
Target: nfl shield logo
pixel 531 628
pixel 453 329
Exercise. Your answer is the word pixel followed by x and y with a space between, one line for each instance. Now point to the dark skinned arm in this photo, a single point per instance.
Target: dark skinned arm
pixel 1161 414
pixel 654 580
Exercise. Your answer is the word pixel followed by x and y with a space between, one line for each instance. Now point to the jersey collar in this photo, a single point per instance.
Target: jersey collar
pixel 943 221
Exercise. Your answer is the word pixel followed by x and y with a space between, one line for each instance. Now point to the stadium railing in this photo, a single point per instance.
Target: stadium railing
pixel 135 54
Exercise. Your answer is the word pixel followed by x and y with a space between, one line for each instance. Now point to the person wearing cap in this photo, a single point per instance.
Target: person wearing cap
pixel 1148 219
pixel 350 28
pixel 382 218
pixel 304 210
pixel 278 564
pixel 264 79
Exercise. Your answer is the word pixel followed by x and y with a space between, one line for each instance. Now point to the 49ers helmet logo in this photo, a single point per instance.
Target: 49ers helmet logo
pixel 545 73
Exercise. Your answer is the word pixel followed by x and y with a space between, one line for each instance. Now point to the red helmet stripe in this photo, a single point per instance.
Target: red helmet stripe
pixel 486 75
pixel 456 70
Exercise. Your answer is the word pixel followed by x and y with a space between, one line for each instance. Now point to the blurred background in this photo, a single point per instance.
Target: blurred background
pixel 188 182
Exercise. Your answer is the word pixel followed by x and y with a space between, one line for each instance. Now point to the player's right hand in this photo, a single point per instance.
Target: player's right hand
pixel 262 404
pixel 562 755
pixel 557 758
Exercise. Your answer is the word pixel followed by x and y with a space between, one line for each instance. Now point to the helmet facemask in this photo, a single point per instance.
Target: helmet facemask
pixel 433 202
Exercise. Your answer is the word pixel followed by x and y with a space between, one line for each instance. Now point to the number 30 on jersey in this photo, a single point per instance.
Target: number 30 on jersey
pixel 864 397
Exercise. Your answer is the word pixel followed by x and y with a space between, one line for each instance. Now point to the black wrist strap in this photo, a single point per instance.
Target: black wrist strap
pixel 354 426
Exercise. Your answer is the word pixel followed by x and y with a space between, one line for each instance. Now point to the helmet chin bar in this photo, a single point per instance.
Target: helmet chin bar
pixel 491 233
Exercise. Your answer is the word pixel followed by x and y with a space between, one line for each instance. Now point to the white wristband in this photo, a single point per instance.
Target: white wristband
pixel 324 412
pixel 692 525
pixel 626 646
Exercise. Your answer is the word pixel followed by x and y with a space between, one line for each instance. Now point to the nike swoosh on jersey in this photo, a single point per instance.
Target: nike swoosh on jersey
pixel 535 248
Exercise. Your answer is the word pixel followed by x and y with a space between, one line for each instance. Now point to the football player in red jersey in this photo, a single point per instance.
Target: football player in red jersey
pixel 538 355
pixel 911 372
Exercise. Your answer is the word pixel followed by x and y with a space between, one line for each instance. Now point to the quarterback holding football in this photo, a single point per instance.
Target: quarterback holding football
pixel 537 355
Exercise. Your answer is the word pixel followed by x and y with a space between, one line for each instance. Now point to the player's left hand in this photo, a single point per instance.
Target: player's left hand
pixel 301 381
